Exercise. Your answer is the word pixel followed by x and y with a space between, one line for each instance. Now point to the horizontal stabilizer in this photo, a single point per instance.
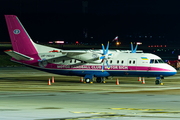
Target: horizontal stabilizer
pixel 18 56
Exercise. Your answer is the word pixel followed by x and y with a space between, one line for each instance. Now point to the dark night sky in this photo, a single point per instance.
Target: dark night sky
pixel 47 20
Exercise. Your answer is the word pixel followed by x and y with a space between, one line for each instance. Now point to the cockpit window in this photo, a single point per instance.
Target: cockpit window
pixel 152 61
pixel 156 61
pixel 160 61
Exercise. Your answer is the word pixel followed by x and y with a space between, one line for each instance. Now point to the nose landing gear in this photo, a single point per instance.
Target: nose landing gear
pixel 158 81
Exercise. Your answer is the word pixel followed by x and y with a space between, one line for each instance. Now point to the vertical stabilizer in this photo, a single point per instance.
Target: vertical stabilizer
pixel 20 39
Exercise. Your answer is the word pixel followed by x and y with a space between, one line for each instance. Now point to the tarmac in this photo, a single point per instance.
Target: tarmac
pixel 26 95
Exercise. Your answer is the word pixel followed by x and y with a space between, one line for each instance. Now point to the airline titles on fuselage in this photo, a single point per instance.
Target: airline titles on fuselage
pixel 97 67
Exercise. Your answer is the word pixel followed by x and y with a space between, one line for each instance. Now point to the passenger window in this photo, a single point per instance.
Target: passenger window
pixel 110 61
pixel 70 61
pixel 134 62
pixel 54 61
pixel 122 62
pixel 63 61
pixel 117 61
pixel 130 62
pixel 74 61
pixel 81 61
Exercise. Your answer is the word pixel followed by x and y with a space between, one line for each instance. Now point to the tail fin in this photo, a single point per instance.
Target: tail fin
pixel 20 39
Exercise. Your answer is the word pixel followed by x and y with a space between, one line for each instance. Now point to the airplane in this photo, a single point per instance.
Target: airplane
pixel 115 39
pixel 90 64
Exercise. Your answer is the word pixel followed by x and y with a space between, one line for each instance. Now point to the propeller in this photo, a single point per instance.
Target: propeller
pixel 105 56
pixel 134 51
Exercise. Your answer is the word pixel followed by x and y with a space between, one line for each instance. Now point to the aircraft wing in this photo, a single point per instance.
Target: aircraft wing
pixel 88 56
pixel 73 52
pixel 17 56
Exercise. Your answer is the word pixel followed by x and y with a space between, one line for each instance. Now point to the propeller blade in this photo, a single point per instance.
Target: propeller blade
pixel 135 48
pixel 102 57
pixel 107 47
pixel 107 64
pixel 104 52
pixel 132 48
pixel 103 66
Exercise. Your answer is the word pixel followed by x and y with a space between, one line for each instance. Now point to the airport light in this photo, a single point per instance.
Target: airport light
pixel 178 57
pixel 77 42
pixel 139 43
pixel 117 43
pixel 59 42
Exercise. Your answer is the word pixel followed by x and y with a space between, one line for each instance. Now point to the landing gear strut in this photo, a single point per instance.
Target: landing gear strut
pixel 100 79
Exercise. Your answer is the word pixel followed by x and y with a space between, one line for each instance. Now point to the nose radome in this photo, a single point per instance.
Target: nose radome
pixel 172 69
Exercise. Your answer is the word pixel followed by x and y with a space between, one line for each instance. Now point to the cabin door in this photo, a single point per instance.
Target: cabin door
pixel 132 64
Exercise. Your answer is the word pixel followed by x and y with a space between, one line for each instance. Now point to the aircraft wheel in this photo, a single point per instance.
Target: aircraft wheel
pixel 98 79
pixel 88 80
pixel 157 82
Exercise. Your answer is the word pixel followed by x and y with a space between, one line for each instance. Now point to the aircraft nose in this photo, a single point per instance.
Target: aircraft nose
pixel 173 70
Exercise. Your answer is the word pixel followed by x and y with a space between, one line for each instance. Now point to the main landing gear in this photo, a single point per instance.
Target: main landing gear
pixel 100 80
pixel 90 78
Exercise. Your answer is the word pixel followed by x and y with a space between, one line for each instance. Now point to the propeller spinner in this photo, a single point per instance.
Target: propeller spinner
pixel 105 56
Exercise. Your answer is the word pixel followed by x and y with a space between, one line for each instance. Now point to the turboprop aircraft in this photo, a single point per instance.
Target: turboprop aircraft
pixel 89 64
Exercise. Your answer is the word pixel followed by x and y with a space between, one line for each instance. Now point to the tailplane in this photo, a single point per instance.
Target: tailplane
pixel 18 56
